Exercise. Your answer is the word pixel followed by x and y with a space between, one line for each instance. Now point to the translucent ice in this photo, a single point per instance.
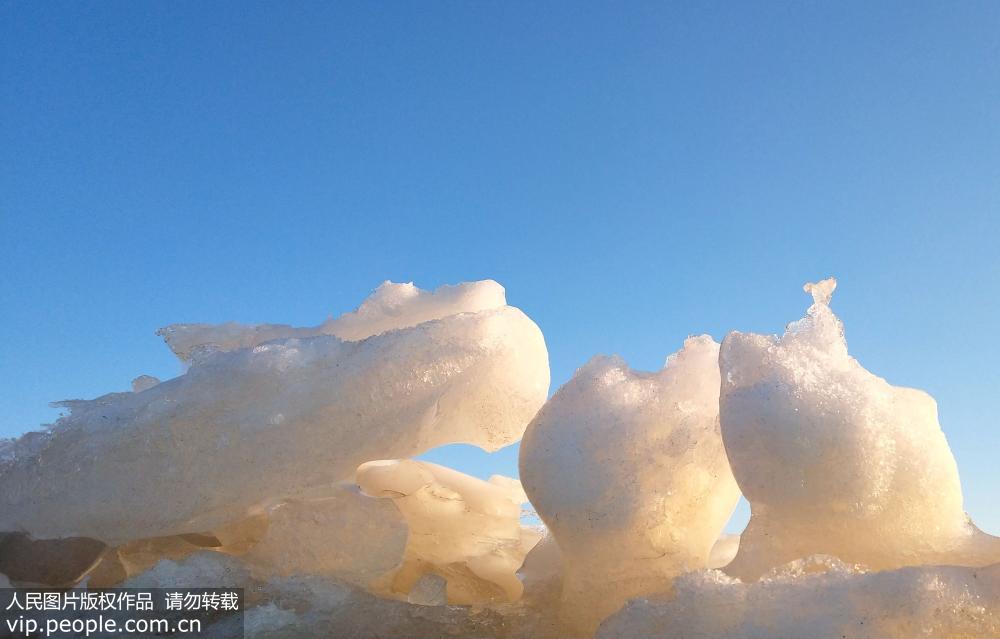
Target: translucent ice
pixel 244 429
pixel 200 570
pixel 461 528
pixel 820 599
pixel 542 576
pixel 345 534
pixel 723 551
pixel 834 460
pixel 137 556
pixel 628 471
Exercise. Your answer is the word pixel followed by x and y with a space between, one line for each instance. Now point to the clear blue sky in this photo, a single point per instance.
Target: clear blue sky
pixel 631 172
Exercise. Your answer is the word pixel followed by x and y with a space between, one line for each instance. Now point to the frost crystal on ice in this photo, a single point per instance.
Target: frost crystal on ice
pixel 834 460
pixel 628 471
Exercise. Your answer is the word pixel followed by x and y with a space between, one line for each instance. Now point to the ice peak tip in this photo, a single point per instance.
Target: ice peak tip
pixel 821 291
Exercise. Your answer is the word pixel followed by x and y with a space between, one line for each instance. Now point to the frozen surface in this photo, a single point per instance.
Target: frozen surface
pixel 834 460
pixel 461 528
pixel 314 607
pixel 627 470
pixel 204 569
pixel 821 598
pixel 244 429
pixel 813 598
pixel 139 555
pixel 302 607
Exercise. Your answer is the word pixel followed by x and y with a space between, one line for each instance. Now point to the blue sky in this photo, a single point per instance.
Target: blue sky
pixel 631 172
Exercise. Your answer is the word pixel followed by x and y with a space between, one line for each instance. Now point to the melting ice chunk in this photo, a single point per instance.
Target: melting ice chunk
pixel 207 448
pixel 628 471
pixel 833 459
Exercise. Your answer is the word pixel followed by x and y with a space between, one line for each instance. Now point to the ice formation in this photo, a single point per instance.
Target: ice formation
pixel 259 468
pixel 834 460
pixel 461 528
pixel 820 598
pixel 628 471
pixel 245 428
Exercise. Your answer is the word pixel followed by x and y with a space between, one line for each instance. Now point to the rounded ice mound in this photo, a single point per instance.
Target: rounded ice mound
pixel 628 471
pixel 833 459
pixel 245 428
pixel 461 528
